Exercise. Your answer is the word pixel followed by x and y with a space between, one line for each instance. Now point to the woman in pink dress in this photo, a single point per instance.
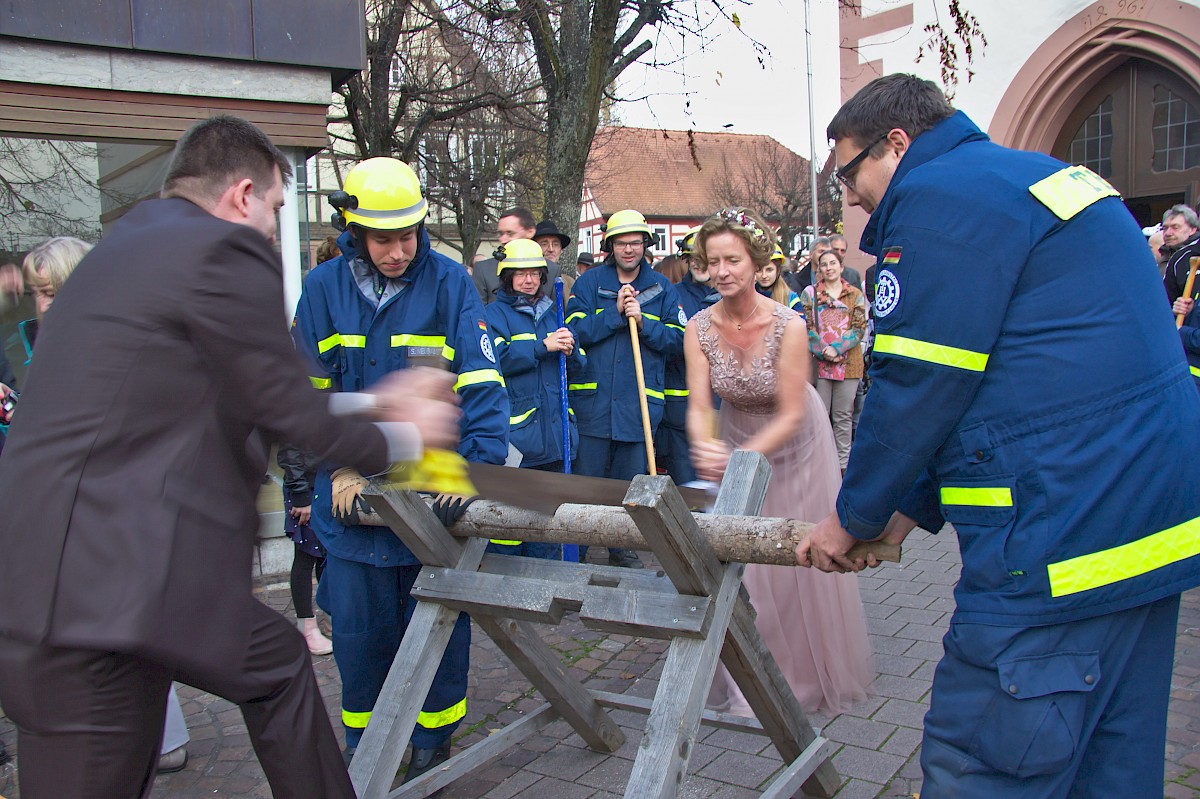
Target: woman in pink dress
pixel 753 353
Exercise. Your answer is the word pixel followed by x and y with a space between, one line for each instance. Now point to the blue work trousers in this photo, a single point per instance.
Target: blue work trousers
pixel 1065 711
pixel 370 608
pixel 673 454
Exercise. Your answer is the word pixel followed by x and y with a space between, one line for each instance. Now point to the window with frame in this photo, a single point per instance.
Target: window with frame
pixel 1093 142
pixel 1176 132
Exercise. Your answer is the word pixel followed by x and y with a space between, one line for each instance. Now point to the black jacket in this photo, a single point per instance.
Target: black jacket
pixel 1175 278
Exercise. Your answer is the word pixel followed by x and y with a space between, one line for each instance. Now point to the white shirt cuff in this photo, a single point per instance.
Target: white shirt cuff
pixel 404 441
pixel 351 403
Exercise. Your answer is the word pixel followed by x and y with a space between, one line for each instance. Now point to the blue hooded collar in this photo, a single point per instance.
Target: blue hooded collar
pixel 939 140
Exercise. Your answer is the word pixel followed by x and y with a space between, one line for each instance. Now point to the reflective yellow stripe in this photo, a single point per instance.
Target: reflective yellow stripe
pixel 440 719
pixel 652 316
pixel 524 337
pixel 356 720
pixel 326 344
pixel 1195 372
pixel 522 417
pixel 476 377
pixel 502 542
pixel 656 394
pixel 413 340
pixel 676 392
pixel 677 327
pixel 1126 561
pixel 989 497
pixel 932 353
pixel 321 382
pixel 574 316
pixel 581 386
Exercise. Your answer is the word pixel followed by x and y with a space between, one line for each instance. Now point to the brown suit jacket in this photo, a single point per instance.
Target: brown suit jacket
pixel 131 470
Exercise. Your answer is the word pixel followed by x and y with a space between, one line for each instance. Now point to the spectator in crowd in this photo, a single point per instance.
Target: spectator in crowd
pixel 670 439
pixel 135 456
pixel 751 351
pixel 770 283
pixel 839 314
pixel 1181 238
pixel 328 250
pixel 803 277
pixel 1015 399
pixel 552 242
pixel 672 267
pixel 584 261
pixel 387 300
pixel 528 342
pixel 1189 333
pixel 299 472
pixel 514 223
pixel 837 242
pixel 1154 239
pixel 605 299
pixel 696 293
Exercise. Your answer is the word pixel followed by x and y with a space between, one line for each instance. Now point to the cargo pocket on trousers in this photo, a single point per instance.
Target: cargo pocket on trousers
pixel 1033 727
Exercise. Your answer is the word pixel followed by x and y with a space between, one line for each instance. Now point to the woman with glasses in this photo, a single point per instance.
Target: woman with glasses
pixel 751 351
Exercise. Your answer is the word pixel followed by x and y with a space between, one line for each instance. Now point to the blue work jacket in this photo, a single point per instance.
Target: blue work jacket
pixel 350 344
pixel 606 400
pixel 1022 390
pixel 693 298
pixel 531 373
pixel 1189 336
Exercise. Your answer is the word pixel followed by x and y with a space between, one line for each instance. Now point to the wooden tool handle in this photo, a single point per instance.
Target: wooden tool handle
pixel 882 551
pixel 641 383
pixel 1187 287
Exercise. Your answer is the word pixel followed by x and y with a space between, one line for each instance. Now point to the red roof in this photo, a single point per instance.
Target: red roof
pixel 677 173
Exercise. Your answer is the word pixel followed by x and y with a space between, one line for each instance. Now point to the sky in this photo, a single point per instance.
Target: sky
pixel 723 83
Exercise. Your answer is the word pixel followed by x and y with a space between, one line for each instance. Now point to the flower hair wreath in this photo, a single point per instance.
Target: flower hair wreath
pixel 739 218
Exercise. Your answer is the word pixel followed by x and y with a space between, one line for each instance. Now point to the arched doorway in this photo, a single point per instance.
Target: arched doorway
pixel 1138 127
pixel 1100 92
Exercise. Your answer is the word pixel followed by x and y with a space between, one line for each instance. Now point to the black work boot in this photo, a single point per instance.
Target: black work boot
pixel 423 760
pixel 625 558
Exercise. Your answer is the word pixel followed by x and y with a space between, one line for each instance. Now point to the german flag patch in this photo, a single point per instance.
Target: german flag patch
pixel 892 256
pixel 483 325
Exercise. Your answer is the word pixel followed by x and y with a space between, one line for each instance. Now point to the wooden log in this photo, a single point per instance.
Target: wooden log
pixel 741 539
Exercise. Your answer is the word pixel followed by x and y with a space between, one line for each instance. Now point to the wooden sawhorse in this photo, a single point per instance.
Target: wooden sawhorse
pixel 696 602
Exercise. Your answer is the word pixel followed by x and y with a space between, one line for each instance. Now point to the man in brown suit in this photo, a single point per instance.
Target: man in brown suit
pixel 130 477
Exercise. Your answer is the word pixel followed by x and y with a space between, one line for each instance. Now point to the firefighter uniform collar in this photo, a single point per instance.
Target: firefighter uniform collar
pixel 943 137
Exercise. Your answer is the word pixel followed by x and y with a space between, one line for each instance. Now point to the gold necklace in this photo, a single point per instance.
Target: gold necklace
pixel 746 319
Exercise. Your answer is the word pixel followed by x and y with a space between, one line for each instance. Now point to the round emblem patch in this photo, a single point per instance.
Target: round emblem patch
pixel 887 293
pixel 682 318
pixel 485 344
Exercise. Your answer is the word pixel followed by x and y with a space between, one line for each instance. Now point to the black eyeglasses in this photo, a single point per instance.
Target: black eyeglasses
pixel 845 174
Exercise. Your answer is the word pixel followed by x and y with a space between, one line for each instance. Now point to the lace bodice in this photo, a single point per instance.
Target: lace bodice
pixel 746 378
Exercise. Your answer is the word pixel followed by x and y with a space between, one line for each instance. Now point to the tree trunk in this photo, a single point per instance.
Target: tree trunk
pixel 741 539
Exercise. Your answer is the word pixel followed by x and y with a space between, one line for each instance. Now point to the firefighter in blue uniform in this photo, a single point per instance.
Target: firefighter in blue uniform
pixel 604 298
pixel 387 302
pixel 670 441
pixel 779 260
pixel 527 341
pixel 1015 399
pixel 1189 334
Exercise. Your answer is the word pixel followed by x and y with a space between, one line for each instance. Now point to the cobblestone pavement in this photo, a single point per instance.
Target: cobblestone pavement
pixel 879 739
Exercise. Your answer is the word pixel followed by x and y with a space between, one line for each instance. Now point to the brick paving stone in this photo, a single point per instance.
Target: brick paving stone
pixel 566 762
pixel 737 741
pixel 898 665
pixel 866 764
pixel 895 687
pixel 902 713
pixel 915 601
pixel 740 769
pixel 860 732
pixel 858 789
